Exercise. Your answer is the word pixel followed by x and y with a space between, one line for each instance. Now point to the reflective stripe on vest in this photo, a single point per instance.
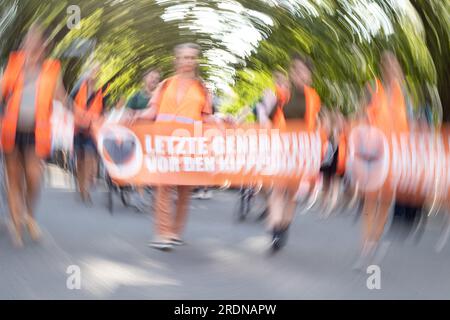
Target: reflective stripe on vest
pixel 165 117
pixel 12 86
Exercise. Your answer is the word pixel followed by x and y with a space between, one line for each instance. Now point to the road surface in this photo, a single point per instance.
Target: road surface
pixel 222 259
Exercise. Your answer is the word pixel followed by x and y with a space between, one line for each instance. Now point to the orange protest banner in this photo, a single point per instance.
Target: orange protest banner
pixel 413 164
pixel 198 154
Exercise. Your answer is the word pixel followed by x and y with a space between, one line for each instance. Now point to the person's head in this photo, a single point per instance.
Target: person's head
pixel 300 71
pixel 390 67
pixel 280 78
pixel 34 43
pixel 94 70
pixel 151 79
pixel 186 57
pixel 93 73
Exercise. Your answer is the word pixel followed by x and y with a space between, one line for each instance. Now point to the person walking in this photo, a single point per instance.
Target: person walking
pixel 293 98
pixel 30 84
pixel 182 98
pixel 89 105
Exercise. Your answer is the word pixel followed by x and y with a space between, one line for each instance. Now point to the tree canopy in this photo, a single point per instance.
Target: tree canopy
pixel 243 41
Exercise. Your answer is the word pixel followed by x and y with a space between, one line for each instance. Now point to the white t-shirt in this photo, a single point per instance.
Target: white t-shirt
pixel 115 115
pixel 63 124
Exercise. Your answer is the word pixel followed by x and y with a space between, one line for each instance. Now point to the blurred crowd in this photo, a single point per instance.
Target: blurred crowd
pixel 32 82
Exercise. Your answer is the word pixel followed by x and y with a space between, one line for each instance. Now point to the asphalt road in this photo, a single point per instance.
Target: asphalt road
pixel 222 259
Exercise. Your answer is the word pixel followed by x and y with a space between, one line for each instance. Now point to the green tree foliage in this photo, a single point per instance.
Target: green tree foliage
pixel 344 38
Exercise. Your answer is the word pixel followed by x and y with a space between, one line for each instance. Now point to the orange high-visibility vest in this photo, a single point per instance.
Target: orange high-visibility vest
pixel 312 107
pixel 283 95
pixel 342 154
pixel 189 108
pixel 12 86
pixel 84 113
pixel 388 114
pixel 312 110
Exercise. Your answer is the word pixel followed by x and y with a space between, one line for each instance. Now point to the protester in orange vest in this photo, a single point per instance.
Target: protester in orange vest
pixel 88 108
pixel 386 111
pixel 29 85
pixel 332 123
pixel 182 98
pixel 294 98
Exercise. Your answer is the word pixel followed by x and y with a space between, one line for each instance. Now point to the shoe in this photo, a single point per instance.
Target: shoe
pixel 164 245
pixel 206 195
pixel 279 238
pixel 86 198
pixel 177 242
pixel 198 195
pixel 263 215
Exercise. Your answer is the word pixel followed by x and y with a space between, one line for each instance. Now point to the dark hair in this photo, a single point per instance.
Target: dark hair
pixel 188 45
pixel 146 73
pixel 304 59
pixel 279 69
pixel 45 32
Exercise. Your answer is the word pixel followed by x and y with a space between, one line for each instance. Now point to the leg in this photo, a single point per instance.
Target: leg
pixel 369 219
pixel 163 217
pixel 33 176
pixel 184 194
pixel 14 174
pixel 281 212
pixel 276 206
pixel 80 172
pixel 90 170
pixel 382 215
pixel 289 209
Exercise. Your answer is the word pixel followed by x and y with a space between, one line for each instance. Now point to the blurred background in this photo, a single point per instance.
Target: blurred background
pixel 244 41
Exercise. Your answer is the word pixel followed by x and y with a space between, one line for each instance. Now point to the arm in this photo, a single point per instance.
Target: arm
pixel 210 119
pixel 61 94
pixel 152 109
pixel 148 114
pixel 207 111
pixel 265 107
